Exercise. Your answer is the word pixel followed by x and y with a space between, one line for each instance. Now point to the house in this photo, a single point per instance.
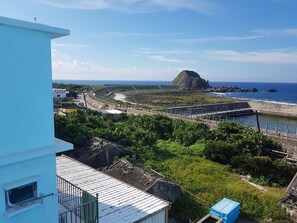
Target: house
pixel 145 179
pixel 98 153
pixel 118 201
pixel 59 93
pixel 289 203
pixel 112 114
pixel 28 188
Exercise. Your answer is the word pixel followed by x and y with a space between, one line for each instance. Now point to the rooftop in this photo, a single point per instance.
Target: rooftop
pixel 118 201
pixel 137 176
pixel 54 32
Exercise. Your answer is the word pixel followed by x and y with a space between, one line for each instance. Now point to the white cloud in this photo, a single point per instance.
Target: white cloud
pixel 171 60
pixel 132 34
pixel 219 38
pixel 278 32
pixel 136 6
pixel 281 56
pixel 69 45
pixel 65 67
pixel 156 51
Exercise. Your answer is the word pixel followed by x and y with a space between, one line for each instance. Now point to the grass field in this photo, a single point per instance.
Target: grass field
pixel 175 98
pixel 205 183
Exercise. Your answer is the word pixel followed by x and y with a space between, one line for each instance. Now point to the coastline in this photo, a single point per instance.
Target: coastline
pixel 274 109
pixel 271 108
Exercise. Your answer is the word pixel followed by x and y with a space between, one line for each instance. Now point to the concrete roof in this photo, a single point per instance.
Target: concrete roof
pixel 111 112
pixel 139 177
pixel 292 188
pixel 54 32
pixel 118 201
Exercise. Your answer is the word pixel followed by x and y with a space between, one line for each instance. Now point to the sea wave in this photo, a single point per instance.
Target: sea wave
pixel 264 101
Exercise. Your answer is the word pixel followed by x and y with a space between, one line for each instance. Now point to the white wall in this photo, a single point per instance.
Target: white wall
pixel 157 218
pixel 59 93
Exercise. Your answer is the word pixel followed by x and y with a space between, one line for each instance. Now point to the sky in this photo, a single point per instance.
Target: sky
pixel 229 40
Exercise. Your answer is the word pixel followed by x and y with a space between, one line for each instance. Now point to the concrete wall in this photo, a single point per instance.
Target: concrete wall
pixel 160 217
pixel 26 85
pixel 41 170
pixel 286 110
pixel 290 145
pixel 212 108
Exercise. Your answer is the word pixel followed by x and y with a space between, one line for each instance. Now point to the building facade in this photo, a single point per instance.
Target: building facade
pixel 59 93
pixel 28 189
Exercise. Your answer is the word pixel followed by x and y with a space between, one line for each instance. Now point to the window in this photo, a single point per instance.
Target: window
pixel 19 196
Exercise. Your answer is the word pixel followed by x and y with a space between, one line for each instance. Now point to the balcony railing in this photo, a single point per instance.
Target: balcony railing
pixel 79 205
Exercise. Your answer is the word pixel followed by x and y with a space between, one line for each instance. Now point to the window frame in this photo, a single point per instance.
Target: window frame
pixel 8 194
pixel 26 203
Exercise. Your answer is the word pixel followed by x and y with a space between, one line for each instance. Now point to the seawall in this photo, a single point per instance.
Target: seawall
pixel 208 109
pixel 275 109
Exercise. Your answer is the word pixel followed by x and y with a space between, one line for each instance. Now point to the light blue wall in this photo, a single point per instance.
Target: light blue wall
pixel 26 114
pixel 44 168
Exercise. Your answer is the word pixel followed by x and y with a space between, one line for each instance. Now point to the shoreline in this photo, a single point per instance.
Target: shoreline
pixel 265 107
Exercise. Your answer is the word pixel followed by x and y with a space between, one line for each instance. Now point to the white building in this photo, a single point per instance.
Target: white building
pixel 59 93
pixel 118 201
pixel 28 189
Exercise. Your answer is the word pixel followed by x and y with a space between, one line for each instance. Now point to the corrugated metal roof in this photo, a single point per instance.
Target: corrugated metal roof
pixel 118 201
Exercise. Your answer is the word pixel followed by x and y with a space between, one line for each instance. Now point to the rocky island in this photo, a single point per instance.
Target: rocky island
pixel 191 80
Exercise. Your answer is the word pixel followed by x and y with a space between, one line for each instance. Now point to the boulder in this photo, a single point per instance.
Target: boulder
pixel 271 90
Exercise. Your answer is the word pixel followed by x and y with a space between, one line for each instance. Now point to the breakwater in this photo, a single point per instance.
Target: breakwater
pixel 275 109
pixel 214 110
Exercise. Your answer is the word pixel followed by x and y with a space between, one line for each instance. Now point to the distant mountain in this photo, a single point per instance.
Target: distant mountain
pixel 190 80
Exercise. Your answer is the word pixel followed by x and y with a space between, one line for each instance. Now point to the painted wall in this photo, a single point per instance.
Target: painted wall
pixel 26 103
pixel 160 217
pixel 44 170
pixel 59 93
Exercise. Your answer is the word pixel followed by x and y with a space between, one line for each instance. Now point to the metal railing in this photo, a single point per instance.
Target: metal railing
pixel 80 206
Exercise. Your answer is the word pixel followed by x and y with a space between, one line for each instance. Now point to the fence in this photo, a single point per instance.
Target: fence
pixel 80 206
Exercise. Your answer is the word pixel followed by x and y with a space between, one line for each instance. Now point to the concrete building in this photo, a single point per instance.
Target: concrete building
pixel 28 189
pixel 145 179
pixel 118 201
pixel 59 93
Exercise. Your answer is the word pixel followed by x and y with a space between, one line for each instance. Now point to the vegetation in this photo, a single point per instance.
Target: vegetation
pixel 206 183
pixel 175 98
pixel 203 161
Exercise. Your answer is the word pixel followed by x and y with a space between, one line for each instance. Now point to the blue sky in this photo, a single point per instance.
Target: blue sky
pixel 230 40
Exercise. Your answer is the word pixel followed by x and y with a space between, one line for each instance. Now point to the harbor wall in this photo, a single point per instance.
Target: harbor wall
pixel 276 109
pixel 206 109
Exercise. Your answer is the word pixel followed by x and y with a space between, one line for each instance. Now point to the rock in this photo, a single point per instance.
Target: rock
pixel 271 90
pixel 230 89
pixel 190 80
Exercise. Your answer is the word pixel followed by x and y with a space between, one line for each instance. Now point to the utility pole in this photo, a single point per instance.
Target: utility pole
pixel 85 100
pixel 257 118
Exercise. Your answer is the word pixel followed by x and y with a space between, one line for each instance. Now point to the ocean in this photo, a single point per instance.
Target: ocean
pixel 286 94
